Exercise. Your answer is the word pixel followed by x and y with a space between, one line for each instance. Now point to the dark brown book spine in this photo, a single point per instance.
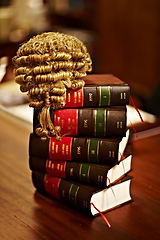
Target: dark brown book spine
pixel 68 192
pixel 104 96
pixel 99 91
pixel 92 150
pixel 76 195
pixel 91 174
pixel 83 122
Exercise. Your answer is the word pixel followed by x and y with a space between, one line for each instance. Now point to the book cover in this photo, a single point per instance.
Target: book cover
pixel 81 196
pixel 88 122
pixel 99 91
pixel 79 149
pixel 91 174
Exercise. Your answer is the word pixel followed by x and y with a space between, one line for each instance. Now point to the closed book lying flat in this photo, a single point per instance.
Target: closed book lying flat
pixel 92 174
pixel 88 122
pixel 81 196
pixel 99 91
pixel 79 149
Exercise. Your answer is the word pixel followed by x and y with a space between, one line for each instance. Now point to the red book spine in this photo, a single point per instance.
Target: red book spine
pixel 51 185
pixel 74 98
pixel 56 168
pixel 60 150
pixel 69 125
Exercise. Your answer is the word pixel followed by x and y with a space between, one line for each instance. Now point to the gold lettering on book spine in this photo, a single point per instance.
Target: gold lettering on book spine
pixel 56 148
pixel 53 147
pixel 100 178
pixel 52 166
pixel 67 149
pixel 71 172
pixel 62 123
pixel 49 164
pixel 111 154
pixel 90 95
pixel 58 120
pixel 69 97
pixel 75 97
pixel 79 150
pixel 63 193
pixel 85 204
pixel 119 124
pixel 61 168
pixel 100 124
pixel 73 123
pixel 79 96
pixel 58 166
pixel 85 123
pixel 63 148
pixel 123 95
pixel 69 123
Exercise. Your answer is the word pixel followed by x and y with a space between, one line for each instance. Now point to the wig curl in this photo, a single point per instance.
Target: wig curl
pixel 45 67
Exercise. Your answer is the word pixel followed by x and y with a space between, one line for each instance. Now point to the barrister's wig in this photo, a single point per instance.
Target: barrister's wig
pixel 45 67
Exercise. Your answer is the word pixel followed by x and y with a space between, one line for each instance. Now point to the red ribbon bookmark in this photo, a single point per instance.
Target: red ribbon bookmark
pixel 105 219
pixel 136 109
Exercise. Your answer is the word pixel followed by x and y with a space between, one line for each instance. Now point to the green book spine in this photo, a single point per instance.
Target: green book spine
pixel 100 122
pixel 84 173
pixel 93 150
pixel 104 96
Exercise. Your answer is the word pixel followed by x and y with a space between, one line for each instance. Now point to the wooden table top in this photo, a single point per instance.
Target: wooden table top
pixel 26 214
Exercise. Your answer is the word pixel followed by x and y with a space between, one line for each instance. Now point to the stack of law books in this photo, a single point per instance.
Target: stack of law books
pixel 87 169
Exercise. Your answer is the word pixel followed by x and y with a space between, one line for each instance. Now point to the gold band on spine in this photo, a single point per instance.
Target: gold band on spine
pixel 76 195
pixel 81 99
pixel 80 169
pixel 98 150
pixel 109 101
pixel 105 122
pixel 73 191
pixel 95 121
pixel 88 173
pixel 76 120
pixel 88 150
pixel 100 96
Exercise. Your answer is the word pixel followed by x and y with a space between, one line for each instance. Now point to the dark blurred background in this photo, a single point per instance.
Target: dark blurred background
pixel 122 37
